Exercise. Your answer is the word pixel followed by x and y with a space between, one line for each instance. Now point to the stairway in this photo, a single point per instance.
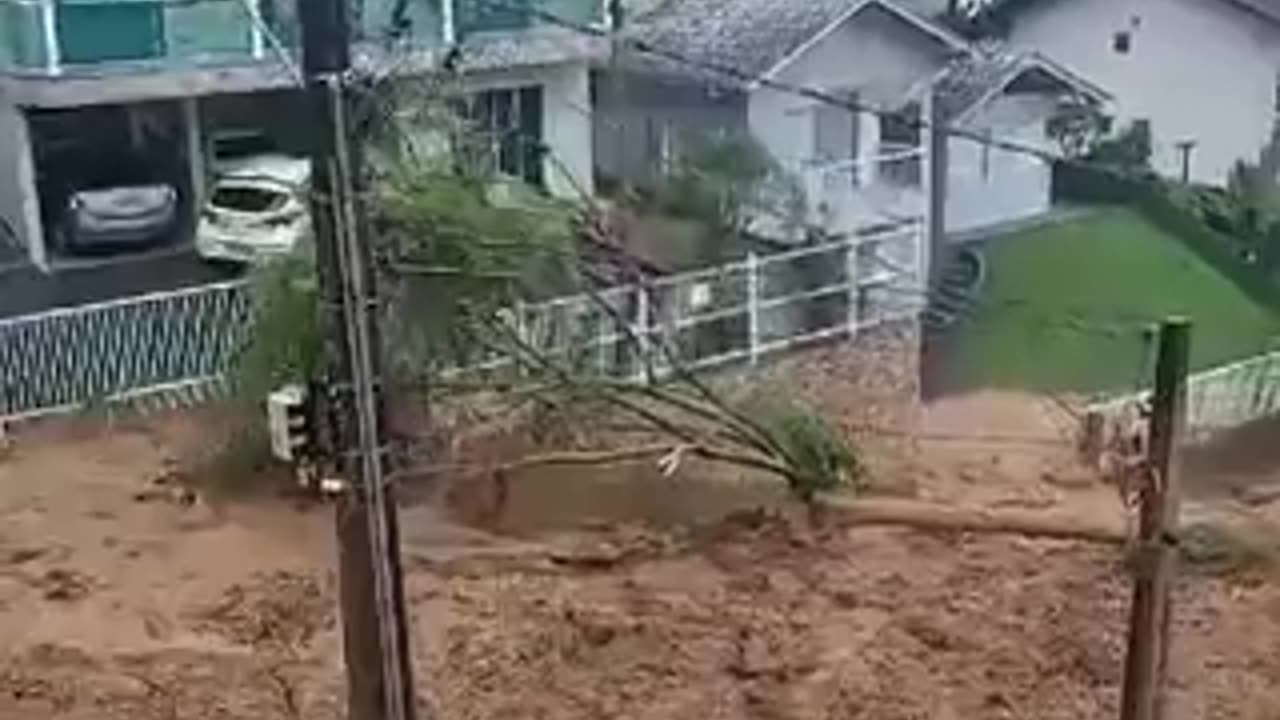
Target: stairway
pixel 957 289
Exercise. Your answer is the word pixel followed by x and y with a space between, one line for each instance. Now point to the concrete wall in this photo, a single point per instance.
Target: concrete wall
pixel 988 185
pixel 1200 70
pixel 19 204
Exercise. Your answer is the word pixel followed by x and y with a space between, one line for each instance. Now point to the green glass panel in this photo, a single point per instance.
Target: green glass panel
pixel 21 36
pixel 210 28
pixel 473 16
pixel 582 12
pixel 426 26
pixel 91 32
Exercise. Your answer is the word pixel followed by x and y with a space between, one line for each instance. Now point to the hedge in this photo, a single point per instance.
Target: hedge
pixel 1155 199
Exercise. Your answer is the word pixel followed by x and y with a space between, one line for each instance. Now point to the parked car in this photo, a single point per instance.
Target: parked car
pixel 257 209
pixel 117 218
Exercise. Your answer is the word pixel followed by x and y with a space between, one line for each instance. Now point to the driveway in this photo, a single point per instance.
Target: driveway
pixel 24 289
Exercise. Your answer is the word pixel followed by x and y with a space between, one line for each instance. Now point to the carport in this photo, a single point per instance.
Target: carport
pixel 104 145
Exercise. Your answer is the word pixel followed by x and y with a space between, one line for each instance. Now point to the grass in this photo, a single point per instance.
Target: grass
pixel 1064 305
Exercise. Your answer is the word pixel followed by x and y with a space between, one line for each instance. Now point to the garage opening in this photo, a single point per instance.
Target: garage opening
pixel 112 179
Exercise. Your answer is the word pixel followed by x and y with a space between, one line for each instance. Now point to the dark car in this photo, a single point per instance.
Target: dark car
pixel 118 218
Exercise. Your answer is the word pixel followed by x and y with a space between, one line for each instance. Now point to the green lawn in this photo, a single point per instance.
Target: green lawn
pixel 1063 306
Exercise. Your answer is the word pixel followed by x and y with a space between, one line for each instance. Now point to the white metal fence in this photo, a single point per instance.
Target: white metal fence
pixel 732 313
pixel 158 346
pixel 174 347
pixel 1219 399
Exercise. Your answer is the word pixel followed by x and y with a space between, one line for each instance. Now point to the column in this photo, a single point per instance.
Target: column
pixel 19 196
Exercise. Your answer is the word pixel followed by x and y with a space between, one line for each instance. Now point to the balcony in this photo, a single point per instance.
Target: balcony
pixel 54 37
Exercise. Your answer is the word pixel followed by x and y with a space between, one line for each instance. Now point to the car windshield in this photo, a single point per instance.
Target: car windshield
pixel 247 198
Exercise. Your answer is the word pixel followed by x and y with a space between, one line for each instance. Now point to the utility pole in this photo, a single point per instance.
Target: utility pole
pixel 1185 147
pixel 935 138
pixel 374 631
pixel 1147 659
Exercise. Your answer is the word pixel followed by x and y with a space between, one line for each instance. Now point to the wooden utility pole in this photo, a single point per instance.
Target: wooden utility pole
pixel 935 138
pixel 1147 660
pixel 374 633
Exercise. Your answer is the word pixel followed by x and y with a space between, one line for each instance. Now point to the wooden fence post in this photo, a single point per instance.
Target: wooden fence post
pixel 1147 659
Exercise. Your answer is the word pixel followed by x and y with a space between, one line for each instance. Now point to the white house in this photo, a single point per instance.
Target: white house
pixel 747 66
pixel 167 83
pixel 1203 73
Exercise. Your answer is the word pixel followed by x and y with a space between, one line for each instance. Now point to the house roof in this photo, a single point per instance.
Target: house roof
pixel 1267 9
pixel 756 37
pixel 546 45
pixel 969 81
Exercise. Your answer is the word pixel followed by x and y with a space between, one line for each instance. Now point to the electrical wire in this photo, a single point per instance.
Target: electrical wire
pixel 809 92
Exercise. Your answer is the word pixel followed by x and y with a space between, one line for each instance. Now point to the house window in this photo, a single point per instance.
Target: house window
pixel 835 135
pixel 1121 42
pixel 504 132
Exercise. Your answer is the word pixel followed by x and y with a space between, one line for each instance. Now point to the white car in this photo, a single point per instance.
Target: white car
pixel 257 209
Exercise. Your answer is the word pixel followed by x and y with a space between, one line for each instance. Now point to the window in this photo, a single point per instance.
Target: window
pixel 504 132
pixel 1121 41
pixel 835 134
pixel 247 198
pixel 1276 93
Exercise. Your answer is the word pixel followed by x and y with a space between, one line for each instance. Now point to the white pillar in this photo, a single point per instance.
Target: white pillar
pixel 566 130
pixel 448 23
pixel 49 31
pixel 869 148
pixel 19 195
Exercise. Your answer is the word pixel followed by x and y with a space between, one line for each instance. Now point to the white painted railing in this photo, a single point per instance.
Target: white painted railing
pixel 171 345
pixel 1218 399
pixel 737 312
pixel 173 348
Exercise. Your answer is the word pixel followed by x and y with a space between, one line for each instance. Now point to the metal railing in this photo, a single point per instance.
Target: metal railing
pixel 174 348
pixel 1220 398
pixel 162 347
pixel 737 312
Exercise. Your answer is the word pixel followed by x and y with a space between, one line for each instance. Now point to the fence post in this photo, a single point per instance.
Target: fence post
pixel 753 306
pixel 641 331
pixel 851 277
pixel 1147 659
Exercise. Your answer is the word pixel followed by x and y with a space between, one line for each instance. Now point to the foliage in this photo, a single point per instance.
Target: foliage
pixel 1182 212
pixel 1128 150
pixel 285 345
pixel 1065 307
pixel 819 459
pixel 1077 126
pixel 466 247
pixel 725 182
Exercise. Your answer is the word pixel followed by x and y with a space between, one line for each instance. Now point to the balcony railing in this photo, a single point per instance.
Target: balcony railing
pixel 49 36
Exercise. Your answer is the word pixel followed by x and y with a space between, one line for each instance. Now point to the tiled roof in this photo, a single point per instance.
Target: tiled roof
pixel 748 35
pixel 968 79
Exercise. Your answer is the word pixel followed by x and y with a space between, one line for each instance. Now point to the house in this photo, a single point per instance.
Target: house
pixel 99 92
pixel 1203 74
pixel 835 91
